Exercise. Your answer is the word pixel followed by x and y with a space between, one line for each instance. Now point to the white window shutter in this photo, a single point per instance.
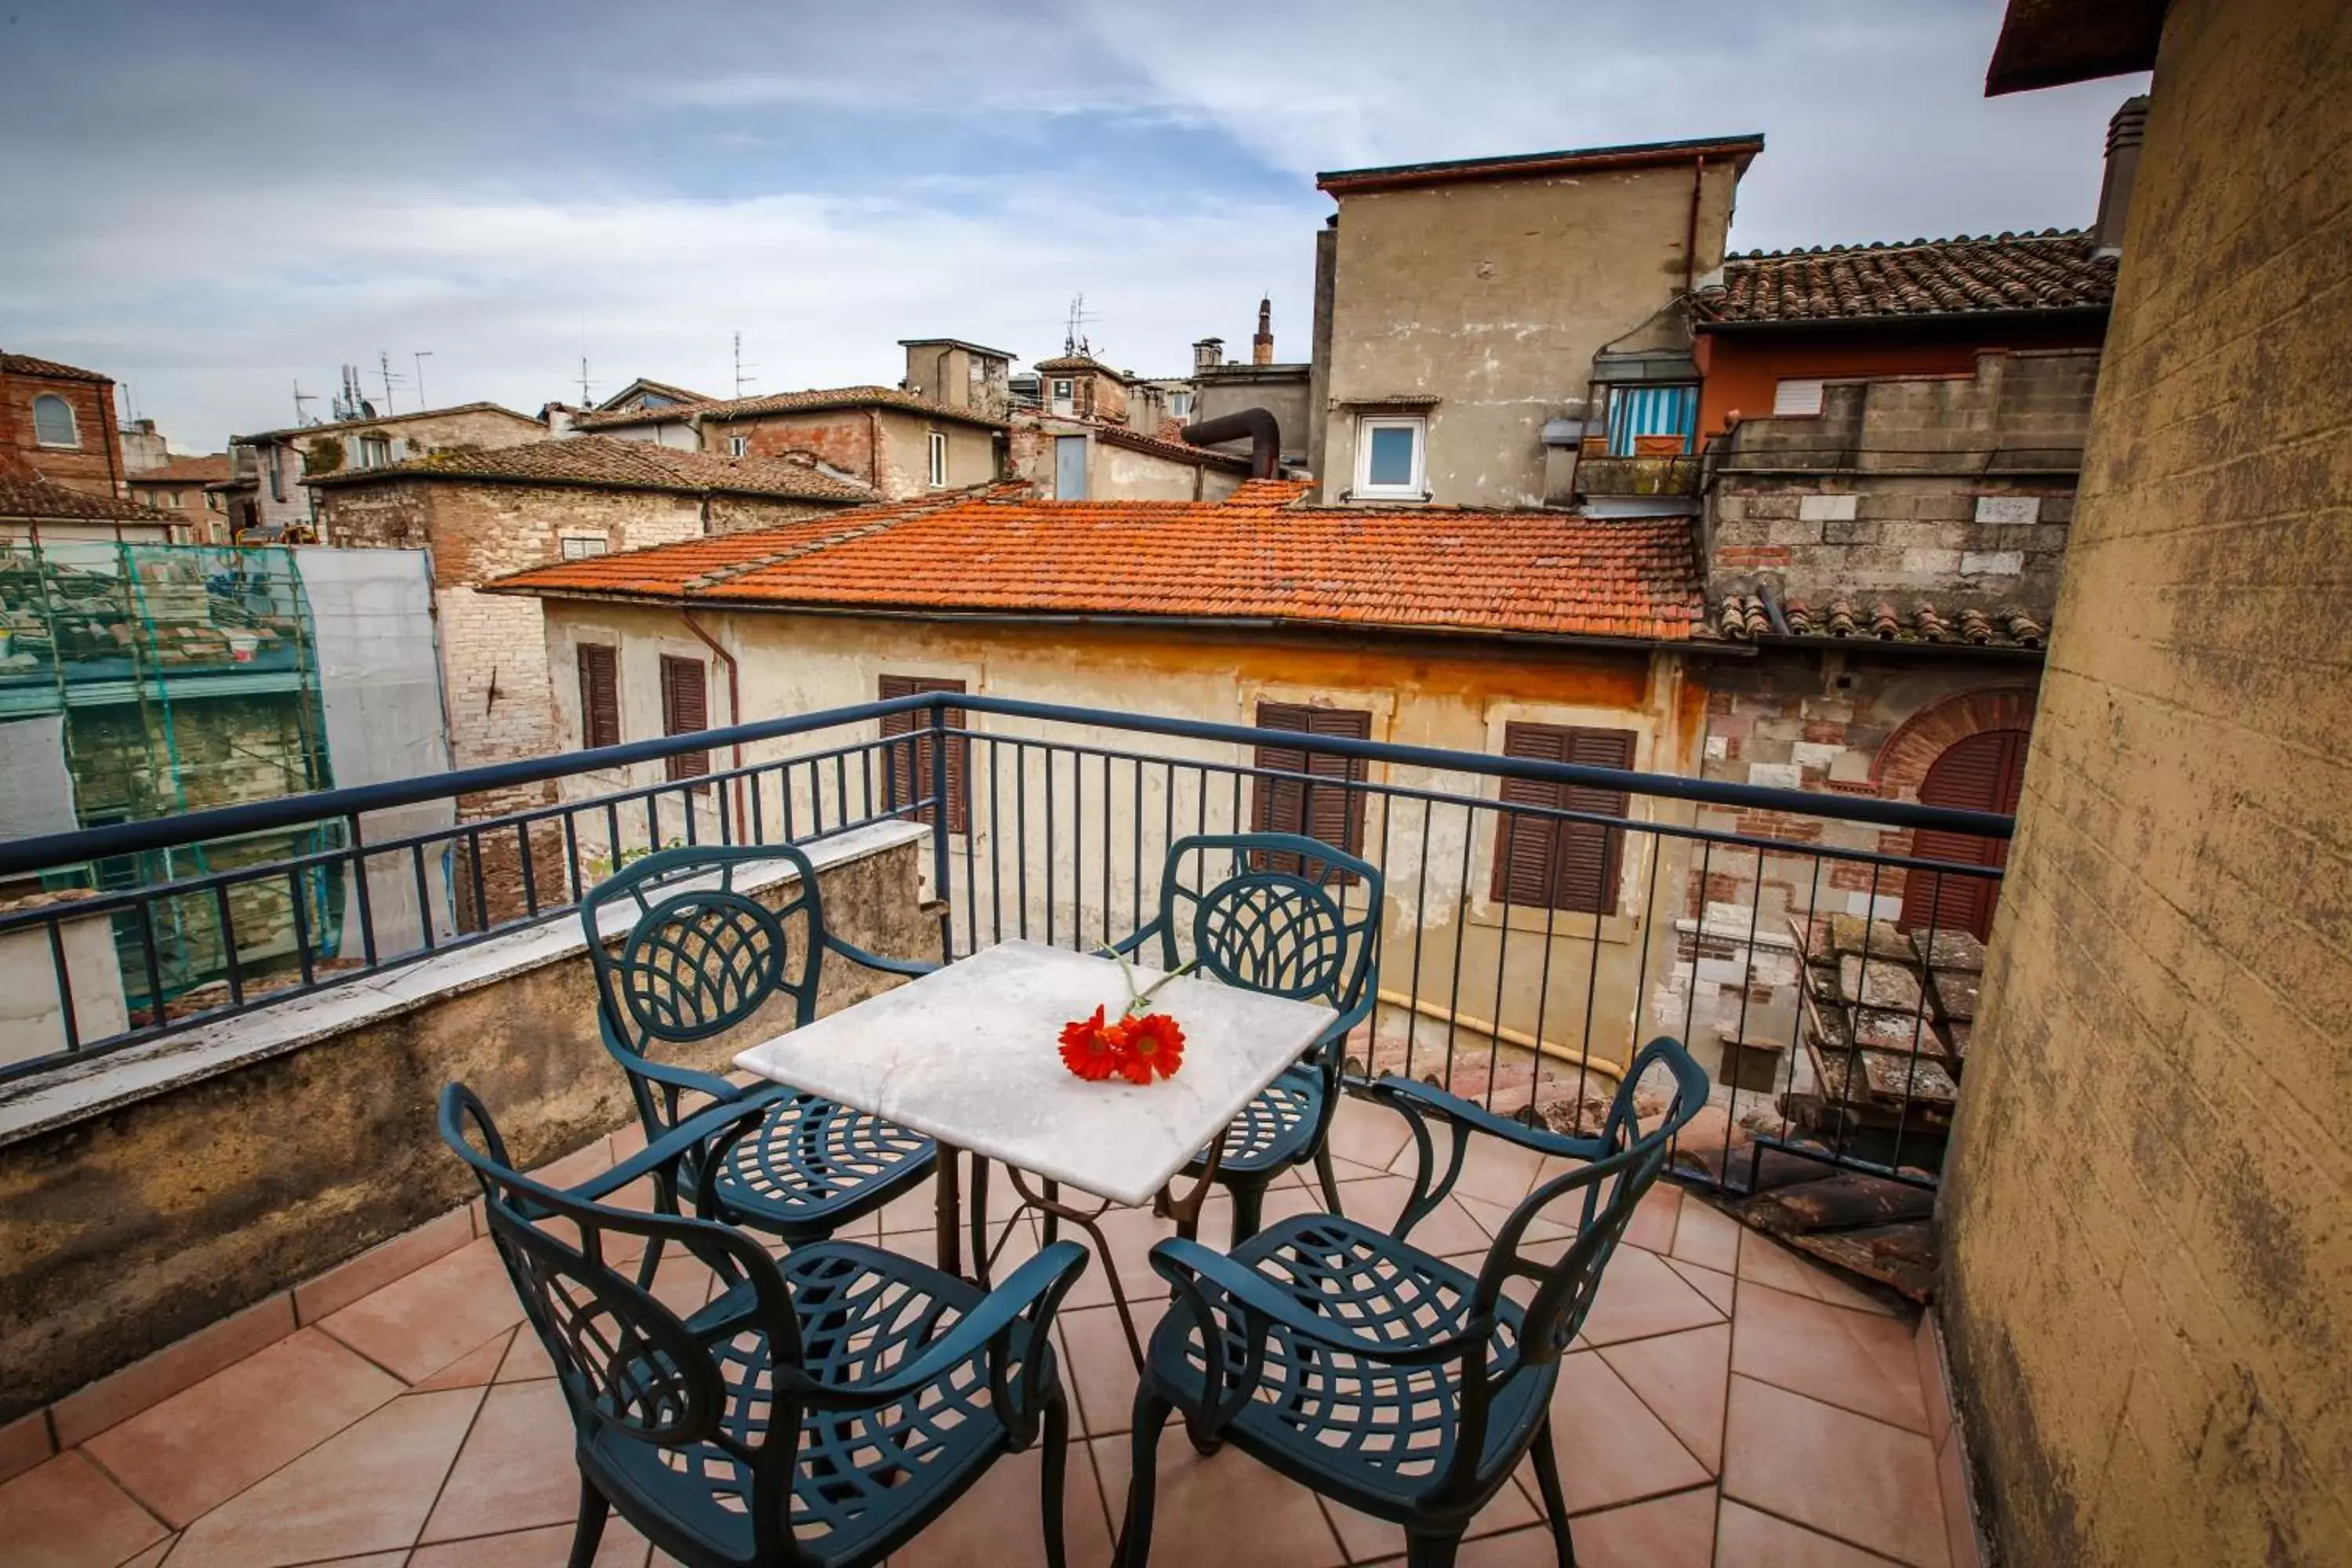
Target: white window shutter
pixel 1797 395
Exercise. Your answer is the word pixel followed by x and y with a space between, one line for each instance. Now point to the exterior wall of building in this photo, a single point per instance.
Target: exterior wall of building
pixel 888 448
pixel 1281 389
pixel 1449 694
pixel 94 463
pixel 1743 369
pixel 950 373
pixel 286 458
pixel 1113 472
pixel 1494 296
pixel 1909 487
pixel 2149 1301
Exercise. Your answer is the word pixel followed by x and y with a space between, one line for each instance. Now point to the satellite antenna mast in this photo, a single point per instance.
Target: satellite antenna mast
pixel 1073 336
pixel 583 381
pixel 301 416
pixel 422 355
pixel 741 381
pixel 383 362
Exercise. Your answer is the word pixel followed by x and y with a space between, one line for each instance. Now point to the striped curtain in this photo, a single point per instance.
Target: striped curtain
pixel 1638 411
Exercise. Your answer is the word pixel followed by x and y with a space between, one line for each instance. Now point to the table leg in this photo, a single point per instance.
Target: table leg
pixel 979 1250
pixel 950 1220
pixel 1054 1208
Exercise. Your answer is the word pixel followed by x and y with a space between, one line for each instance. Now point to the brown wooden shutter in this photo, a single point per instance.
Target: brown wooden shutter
pixel 907 766
pixel 1549 864
pixel 600 695
pixel 685 708
pixel 1983 773
pixel 1328 811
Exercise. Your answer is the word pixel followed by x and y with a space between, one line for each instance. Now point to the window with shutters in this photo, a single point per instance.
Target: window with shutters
pixel 1983 773
pixel 1542 862
pixel 685 708
pixel 907 764
pixel 1796 396
pixel 600 695
pixel 1316 799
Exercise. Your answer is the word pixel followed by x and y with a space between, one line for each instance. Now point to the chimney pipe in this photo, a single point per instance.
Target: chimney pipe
pixel 2125 132
pixel 1262 345
pixel 1258 424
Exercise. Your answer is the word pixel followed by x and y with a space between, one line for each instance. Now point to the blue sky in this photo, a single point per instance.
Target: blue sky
pixel 211 201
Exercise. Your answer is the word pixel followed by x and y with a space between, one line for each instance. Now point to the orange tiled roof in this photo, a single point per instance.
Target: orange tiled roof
pixel 1743 617
pixel 24 495
pixel 192 469
pixel 613 463
pixel 2047 271
pixel 47 369
pixel 1257 556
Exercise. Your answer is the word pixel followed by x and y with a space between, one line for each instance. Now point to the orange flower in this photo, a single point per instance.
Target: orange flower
pixel 1154 1046
pixel 1095 1050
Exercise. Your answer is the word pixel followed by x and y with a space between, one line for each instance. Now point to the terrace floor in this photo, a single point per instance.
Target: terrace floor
pixel 1728 1403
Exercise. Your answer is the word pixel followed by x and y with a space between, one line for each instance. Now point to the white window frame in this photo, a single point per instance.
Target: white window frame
pixel 580 546
pixel 938 460
pixel 1418 487
pixel 72 443
pixel 739 445
pixel 371 451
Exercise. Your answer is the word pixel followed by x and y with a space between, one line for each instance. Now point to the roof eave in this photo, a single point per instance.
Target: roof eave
pixel 2053 43
pixel 1535 166
pixel 1902 318
pixel 562 481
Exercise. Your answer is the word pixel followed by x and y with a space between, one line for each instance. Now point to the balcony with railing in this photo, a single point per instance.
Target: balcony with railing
pixel 259 1318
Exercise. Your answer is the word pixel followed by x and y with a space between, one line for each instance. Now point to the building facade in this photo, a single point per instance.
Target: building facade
pixel 278 461
pixel 189 491
pixel 57 423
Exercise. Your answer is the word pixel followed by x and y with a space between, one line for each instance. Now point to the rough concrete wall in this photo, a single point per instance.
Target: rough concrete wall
pixel 126 1231
pixel 1284 397
pixel 1494 296
pixel 2149 1295
pixel 95 464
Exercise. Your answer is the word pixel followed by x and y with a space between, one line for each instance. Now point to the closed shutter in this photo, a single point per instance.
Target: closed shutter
pixel 1796 396
pixel 600 695
pixel 907 765
pixel 685 708
pixel 1316 802
pixel 1639 411
pixel 1549 864
pixel 1983 773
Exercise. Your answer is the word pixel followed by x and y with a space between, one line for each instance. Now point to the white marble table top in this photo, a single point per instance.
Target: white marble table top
pixel 969 1055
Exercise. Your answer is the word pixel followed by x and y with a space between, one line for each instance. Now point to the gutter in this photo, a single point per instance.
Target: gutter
pixel 734 714
pixel 2063 314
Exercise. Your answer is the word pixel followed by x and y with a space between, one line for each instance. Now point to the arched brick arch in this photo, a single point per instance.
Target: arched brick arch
pixel 1903 761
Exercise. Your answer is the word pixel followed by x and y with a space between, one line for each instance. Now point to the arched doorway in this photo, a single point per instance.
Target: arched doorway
pixel 1984 772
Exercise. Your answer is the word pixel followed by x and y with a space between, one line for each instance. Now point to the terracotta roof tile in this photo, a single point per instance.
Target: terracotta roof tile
pixel 613 463
pixel 2047 271
pixel 26 495
pixel 25 364
pixel 1257 556
pixel 1742 617
pixel 187 470
pixel 724 408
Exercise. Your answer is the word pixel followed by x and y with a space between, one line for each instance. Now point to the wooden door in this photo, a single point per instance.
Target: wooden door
pixel 1983 773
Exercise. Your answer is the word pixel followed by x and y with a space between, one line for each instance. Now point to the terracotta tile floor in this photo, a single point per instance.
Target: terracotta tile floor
pixel 1728 1404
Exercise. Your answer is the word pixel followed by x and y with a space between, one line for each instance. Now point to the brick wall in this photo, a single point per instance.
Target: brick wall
pixel 1910 487
pixel 887 448
pixel 95 465
pixel 2149 1301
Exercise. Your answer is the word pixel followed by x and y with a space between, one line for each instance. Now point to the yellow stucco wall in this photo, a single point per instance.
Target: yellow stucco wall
pixel 2149 1301
pixel 1455 695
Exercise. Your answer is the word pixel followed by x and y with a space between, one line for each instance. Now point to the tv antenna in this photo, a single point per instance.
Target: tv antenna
pixel 421 356
pixel 1073 336
pixel 383 364
pixel 301 416
pixel 584 382
pixel 741 381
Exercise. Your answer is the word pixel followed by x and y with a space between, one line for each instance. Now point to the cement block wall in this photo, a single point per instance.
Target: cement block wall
pixel 129 1228
pixel 2149 1298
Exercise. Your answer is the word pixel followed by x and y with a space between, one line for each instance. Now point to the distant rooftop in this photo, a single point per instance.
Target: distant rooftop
pixel 725 408
pixel 370 422
pixel 608 462
pixel 30 497
pixel 26 364
pixel 1534 166
pixel 1964 275
pixel 955 342
pixel 184 470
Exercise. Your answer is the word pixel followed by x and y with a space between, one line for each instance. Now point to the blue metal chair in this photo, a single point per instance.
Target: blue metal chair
pixel 1277 920
pixel 1379 1375
pixel 700 957
pixel 818 1412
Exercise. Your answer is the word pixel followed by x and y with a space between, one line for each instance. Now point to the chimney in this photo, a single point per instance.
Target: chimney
pixel 1262 345
pixel 2125 132
pixel 1208 354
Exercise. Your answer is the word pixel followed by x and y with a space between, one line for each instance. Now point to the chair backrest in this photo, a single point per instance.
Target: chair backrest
pixel 1271 912
pixel 627 1363
pixel 700 955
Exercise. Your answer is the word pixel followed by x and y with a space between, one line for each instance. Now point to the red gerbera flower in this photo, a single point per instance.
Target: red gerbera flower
pixel 1155 1045
pixel 1093 1049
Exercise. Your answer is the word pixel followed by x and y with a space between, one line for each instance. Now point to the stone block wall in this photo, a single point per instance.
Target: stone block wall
pixel 2148 1276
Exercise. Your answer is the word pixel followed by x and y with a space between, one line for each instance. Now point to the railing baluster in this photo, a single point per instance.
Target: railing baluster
pixel 360 889
pixel 66 1014
pixel 301 907
pixel 228 943
pixel 424 910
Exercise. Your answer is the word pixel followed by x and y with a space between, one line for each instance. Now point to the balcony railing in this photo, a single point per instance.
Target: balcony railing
pixel 1055 825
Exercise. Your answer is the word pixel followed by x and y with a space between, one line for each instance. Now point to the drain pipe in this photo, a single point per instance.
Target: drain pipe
pixel 1258 424
pixel 1559 1051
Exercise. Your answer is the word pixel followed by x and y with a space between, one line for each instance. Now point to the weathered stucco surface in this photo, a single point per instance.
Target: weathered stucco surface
pixel 125 1231
pixel 2150 1205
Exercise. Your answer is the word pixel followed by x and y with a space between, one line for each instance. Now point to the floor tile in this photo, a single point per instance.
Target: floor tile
pixel 547 1547
pixel 999 1523
pixel 1959 1517
pixel 1858 1361
pixel 1611 1449
pixel 1553 1223
pixel 1204 1507
pixel 1844 1475
pixel 207 1444
pixel 1706 1235
pixel 90 1410
pixel 1746 1539
pixel 1495 1169
pixel 1364 1538
pixel 153 1556
pixel 526 1358
pixel 415 1326
pixel 368 1488
pixel 1639 1296
pixel 1675 1531
pixel 1368 1134
pixel 517 1468
pixel 23 1443
pixel 381 1265
pixel 1716 1288
pixel 1682 1378
pixel 1767 1262
pixel 1653 1225
pixel 475 1368
pixel 65 1514
pixel 1446 1230
pixel 1097 1368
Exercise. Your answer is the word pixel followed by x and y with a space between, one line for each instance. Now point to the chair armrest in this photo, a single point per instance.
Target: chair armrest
pixel 675 1077
pixel 1183 1263
pixel 910 967
pixel 1399 1093
pixel 661 1156
pixel 1039 1283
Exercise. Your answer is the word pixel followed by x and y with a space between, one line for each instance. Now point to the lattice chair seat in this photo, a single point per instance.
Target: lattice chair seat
pixel 813 1165
pixel 1275 1130
pixel 1376 1433
pixel 863 1314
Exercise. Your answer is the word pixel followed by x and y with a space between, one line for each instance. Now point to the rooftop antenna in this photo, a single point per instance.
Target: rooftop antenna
pixel 741 381
pixel 422 355
pixel 383 363
pixel 1073 336
pixel 584 382
pixel 302 414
